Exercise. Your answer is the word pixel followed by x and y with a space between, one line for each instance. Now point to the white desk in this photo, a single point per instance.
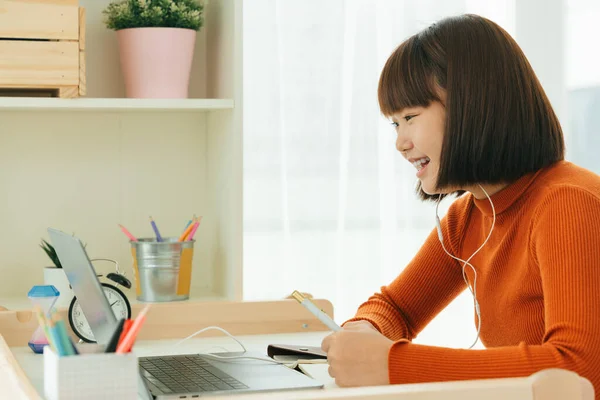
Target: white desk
pixel 258 324
pixel 32 363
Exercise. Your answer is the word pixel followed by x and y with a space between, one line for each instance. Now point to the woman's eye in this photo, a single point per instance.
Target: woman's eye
pixel 394 124
pixel 409 117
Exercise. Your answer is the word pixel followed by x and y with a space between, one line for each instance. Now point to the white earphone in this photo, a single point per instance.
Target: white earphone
pixel 473 289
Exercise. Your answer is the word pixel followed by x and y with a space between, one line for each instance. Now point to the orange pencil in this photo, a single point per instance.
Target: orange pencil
pixel 187 231
pixel 127 343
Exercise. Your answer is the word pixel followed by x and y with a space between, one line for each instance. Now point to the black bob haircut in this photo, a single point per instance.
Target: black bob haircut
pixel 499 123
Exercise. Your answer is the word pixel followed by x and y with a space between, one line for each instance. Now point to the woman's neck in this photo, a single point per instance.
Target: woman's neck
pixel 490 189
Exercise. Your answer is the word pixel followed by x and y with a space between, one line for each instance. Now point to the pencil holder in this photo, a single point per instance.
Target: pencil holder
pixel 91 376
pixel 163 270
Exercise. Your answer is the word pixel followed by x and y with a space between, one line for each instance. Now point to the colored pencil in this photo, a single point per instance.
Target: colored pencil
pixel 129 235
pixel 63 335
pixel 129 339
pixel 194 229
pixel 156 232
pixel 56 339
pixel 186 232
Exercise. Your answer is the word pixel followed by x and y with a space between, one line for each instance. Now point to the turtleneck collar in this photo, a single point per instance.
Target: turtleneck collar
pixel 507 196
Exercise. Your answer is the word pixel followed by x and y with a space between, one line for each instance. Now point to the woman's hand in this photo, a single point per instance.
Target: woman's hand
pixel 358 355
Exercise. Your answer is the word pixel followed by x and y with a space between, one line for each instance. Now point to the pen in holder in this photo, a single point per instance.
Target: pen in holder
pixel 163 270
pixel 92 374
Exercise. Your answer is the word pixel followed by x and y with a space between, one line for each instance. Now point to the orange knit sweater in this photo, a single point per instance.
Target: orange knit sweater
pixel 538 284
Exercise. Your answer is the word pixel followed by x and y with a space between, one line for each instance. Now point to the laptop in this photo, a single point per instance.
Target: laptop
pixel 172 376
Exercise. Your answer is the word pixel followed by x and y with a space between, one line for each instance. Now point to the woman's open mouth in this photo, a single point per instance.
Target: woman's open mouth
pixel 421 165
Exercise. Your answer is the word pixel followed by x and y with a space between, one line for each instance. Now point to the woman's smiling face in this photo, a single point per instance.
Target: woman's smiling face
pixel 420 134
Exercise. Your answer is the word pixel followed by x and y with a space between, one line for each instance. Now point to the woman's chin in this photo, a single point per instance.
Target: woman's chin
pixel 428 188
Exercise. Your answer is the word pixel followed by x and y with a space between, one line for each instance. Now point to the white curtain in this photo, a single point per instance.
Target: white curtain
pixel 329 205
pixel 583 82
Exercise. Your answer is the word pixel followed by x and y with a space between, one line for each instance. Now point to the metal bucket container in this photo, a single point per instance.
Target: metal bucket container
pixel 163 270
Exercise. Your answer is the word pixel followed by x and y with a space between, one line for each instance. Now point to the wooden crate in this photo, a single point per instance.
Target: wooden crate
pixel 42 48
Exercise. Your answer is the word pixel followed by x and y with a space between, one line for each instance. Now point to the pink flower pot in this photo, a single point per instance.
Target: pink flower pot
pixel 156 62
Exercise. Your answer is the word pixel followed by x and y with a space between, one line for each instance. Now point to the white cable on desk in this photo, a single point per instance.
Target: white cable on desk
pixel 309 305
pixel 229 357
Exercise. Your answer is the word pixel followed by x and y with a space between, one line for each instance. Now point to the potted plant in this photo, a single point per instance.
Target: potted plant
pixel 55 275
pixel 156 44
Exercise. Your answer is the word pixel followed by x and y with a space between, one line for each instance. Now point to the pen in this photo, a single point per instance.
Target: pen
pixel 127 343
pixel 56 339
pixel 316 311
pixel 193 231
pixel 186 232
pixel 155 228
pixel 124 330
pixel 63 336
pixel 129 235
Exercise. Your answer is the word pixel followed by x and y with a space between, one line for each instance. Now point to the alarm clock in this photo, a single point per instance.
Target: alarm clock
pixel 119 304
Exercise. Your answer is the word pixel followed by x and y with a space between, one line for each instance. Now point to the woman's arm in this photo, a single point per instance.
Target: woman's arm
pixel 565 241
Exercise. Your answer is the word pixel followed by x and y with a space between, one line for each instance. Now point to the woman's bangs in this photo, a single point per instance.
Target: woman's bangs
pixel 406 81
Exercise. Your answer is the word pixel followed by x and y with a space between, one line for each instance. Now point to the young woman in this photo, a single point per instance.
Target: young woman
pixel 523 235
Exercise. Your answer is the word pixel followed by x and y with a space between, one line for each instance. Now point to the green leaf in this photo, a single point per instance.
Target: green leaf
pixel 125 14
pixel 49 250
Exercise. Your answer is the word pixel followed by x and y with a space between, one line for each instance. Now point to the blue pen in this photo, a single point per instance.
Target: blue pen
pixel 158 237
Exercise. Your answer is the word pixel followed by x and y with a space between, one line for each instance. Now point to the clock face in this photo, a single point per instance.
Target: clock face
pixel 118 303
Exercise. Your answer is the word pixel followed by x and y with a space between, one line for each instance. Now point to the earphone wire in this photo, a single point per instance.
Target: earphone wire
pixel 225 358
pixel 472 289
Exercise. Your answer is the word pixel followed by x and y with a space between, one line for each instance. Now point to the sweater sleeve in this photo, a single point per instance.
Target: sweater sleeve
pixel 565 244
pixel 425 287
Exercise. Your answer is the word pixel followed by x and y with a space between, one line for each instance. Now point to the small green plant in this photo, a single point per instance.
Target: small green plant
pixel 125 14
pixel 49 249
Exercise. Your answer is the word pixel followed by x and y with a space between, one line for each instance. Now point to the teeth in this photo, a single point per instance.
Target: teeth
pixel 419 163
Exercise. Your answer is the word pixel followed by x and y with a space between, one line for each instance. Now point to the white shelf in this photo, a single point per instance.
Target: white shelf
pixel 124 105
pixel 112 152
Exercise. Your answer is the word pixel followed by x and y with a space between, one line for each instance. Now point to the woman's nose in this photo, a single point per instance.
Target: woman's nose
pixel 403 144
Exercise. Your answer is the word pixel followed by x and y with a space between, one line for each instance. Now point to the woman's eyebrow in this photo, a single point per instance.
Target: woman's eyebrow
pixel 409 110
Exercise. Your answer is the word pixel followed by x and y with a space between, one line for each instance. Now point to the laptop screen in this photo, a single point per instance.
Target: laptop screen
pixel 84 282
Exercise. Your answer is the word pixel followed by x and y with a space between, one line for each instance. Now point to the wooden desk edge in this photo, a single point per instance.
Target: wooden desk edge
pixel 13 379
pixel 176 320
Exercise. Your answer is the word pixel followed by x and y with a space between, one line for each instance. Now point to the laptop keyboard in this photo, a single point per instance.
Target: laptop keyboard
pixel 185 374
